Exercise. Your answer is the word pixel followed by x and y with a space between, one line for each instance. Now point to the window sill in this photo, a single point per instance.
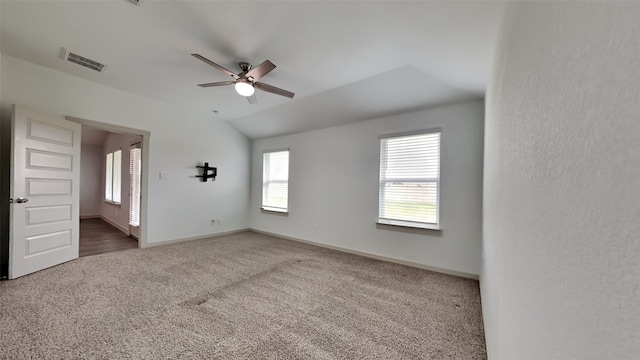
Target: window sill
pixel 113 203
pixel 409 224
pixel 274 211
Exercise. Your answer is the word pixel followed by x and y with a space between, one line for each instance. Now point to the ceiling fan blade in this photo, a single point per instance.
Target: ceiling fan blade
pixel 220 83
pixel 252 99
pixel 273 90
pixel 261 70
pixel 198 56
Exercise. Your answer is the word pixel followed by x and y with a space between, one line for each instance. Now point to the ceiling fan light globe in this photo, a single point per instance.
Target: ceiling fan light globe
pixel 244 88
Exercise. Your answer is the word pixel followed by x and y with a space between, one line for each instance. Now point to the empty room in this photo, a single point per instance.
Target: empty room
pixel 319 180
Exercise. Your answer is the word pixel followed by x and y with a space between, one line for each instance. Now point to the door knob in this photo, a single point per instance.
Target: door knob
pixel 21 200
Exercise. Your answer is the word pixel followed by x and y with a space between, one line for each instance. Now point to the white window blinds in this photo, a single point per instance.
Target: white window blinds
pixel 410 180
pixel 113 177
pixel 275 180
pixel 135 162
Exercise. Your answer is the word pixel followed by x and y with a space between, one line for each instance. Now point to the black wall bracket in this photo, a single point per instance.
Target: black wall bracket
pixel 207 172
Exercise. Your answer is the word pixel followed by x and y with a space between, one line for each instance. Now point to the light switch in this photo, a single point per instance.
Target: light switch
pixel 164 175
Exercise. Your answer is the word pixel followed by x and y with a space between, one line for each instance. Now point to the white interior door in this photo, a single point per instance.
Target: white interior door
pixel 45 179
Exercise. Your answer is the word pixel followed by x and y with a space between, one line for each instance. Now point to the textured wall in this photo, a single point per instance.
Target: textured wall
pixel 333 188
pixel 91 179
pixel 561 220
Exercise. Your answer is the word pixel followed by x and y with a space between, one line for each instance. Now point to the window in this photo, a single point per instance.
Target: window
pixel 410 180
pixel 275 180
pixel 135 164
pixel 112 181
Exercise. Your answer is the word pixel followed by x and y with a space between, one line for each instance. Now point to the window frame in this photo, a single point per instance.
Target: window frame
pixel 407 223
pixel 109 178
pixel 270 208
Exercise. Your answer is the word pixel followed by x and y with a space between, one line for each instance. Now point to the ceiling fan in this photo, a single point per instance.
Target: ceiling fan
pixel 247 80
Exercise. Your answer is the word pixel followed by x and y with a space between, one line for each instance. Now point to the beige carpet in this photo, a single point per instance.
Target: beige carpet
pixel 242 296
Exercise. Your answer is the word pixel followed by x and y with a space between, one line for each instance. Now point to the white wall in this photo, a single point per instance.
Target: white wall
pixel 561 276
pixel 181 206
pixel 91 173
pixel 333 189
pixel 119 214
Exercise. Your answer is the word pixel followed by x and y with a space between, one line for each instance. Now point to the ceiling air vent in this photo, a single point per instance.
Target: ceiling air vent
pixel 83 61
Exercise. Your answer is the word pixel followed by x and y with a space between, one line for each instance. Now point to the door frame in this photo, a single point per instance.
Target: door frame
pixel 144 183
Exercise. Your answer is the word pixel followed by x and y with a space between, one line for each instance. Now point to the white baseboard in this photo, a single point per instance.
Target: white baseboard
pixel 174 241
pixel 332 247
pixel 90 217
pixel 116 225
pixel 374 256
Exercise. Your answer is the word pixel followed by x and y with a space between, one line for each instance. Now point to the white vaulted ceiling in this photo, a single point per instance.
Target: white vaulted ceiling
pixel 346 61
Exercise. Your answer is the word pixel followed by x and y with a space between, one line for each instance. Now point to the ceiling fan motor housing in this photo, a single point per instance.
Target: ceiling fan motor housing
pixel 245 66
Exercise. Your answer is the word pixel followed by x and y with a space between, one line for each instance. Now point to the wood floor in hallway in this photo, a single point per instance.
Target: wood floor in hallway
pixel 99 237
